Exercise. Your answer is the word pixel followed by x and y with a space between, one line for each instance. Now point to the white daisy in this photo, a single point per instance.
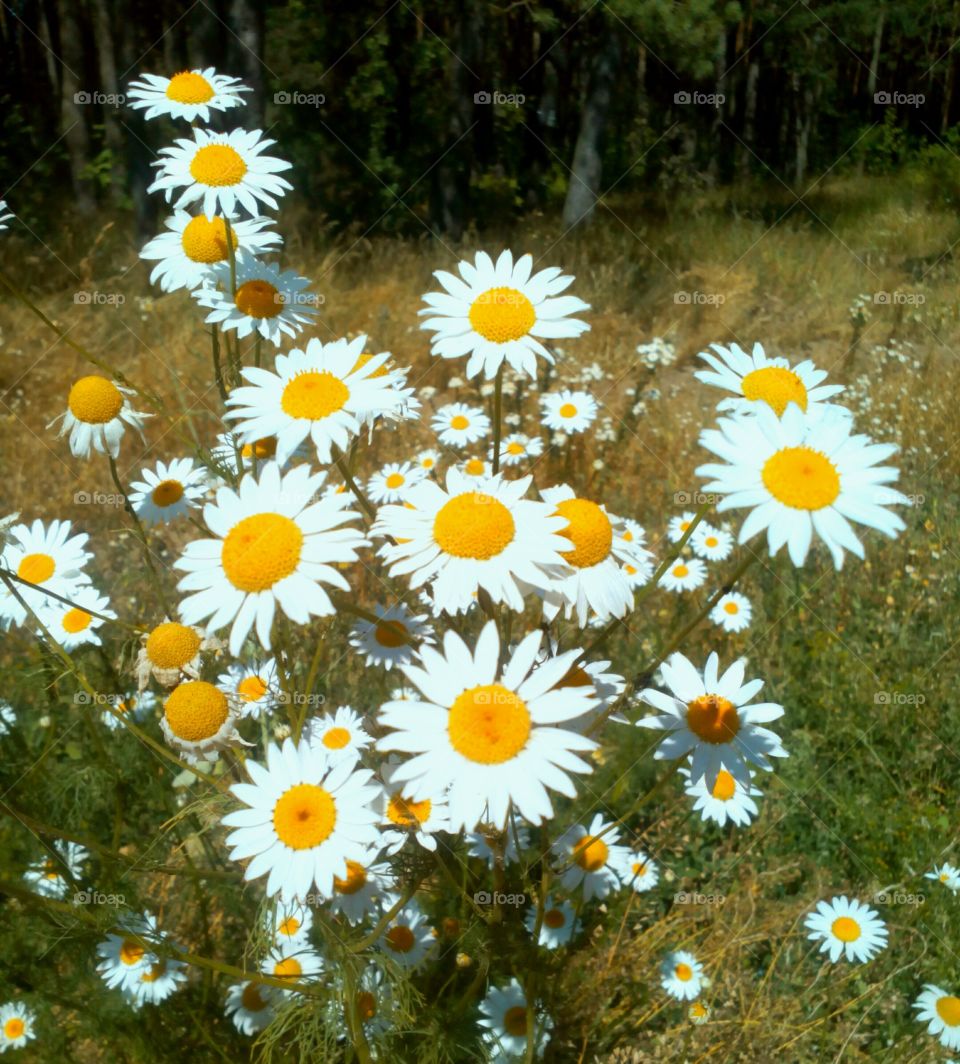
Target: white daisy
pixel 268 301
pixel 598 680
pixel 490 736
pixel 135 707
pixel 513 841
pixel 940 1011
pixel 847 926
pixel 373 1002
pixel 798 476
pixel 8 719
pixel 732 612
pixel 73 626
pixel 500 312
pixel 361 891
pixel 254 688
pixel 288 921
pixel 5 215
pixel 591 857
pixel 46 555
pixel 171 651
pixel 457 424
pixel 681 975
pixel 713 544
pixel 727 799
pixel 221 171
pixel 188 95
pixel 503 1015
pixel 711 715
pixel 126 957
pixel 157 982
pixel 756 379
pixel 403 817
pixel 295 961
pixel 304 821
pixel 476 468
pixel 251 1006
pixel 391 641
pixel 946 874
pixel 394 481
pixel 169 491
pixel 199 720
pixel 340 735
pixel 684 575
pixel 317 393
pixel 518 447
pixel 274 546
pixel 677 528
pixel 427 460
pixel 567 411
pixel 16 1022
pixel 466 537
pixel 559 923
pixel 699 1012
pixel 49 877
pixel 408 937
pixel 97 415
pixel 193 244
pixel 638 871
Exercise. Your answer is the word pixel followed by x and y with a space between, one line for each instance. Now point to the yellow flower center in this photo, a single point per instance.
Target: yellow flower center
pixel 366 1005
pixel 265 448
pixel 154 972
pixel 502 314
pixel 14 1027
pixel 196 710
pixel 588 529
pixel 252 999
pixel 846 929
pixel 394 481
pixel 258 299
pixel 314 395
pixel 775 386
pixel 75 620
pixel 95 400
pixel 473 525
pixel 948 1009
pixel 260 551
pixel 336 738
pixel 187 87
pixel 131 952
pixel 426 463
pixel 515 1021
pixel 304 816
pixel 406 812
pixel 683 972
pixel 391 634
pixel 698 1010
pixel 251 689
pixel 171 645
pixel 568 410
pixel 554 918
pixel 363 360
pixel 731 607
pixel 489 724
pixel 400 939
pixel 801 478
pixel 459 422
pixel 288 968
pixel 710 541
pixel 217 165
pixel 725 787
pixel 167 492
pixel 680 571
pixel 356 879
pixel 476 467
pixel 638 868
pixel 289 927
pixel 713 719
pixel 36 568
pixel 576 677
pixel 591 853
pixel 205 239
pixel 515 448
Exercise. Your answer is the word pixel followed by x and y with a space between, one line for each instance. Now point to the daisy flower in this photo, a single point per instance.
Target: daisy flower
pixel 97 415
pixel 940 1011
pixel 372 1003
pixel 251 1006
pixel 199 721
pixel 638 871
pixel 711 715
pixel 490 736
pixel 678 526
pixel 403 817
pixel 169 491
pixel 427 460
pixel 599 681
pixel 72 626
pixel 45 555
pixel 457 424
pixel 503 1015
pixel 408 937
pixel 254 688
pixel 172 650
pixel 193 244
pixel 268 301
pixel 500 312
pixel 221 171
pixel 5 215
pixel 47 876
pixel 593 579
pixel 126 957
pixel 756 379
pixel 393 482
pixel 360 892
pixel 517 447
pixel 288 922
pixel 479 843
pixel 189 95
pixel 134 707
pixel 798 476
pixel 392 639
pixel 304 819
pixel 568 411
pixel 559 923
pixel 947 875
pixel 8 719
pixel 477 468
pixel 684 575
pixel 274 546
pixel 732 612
pixel 681 975
pixel 156 983
pixel 712 544
pixel 847 926
pixel 295 961
pixel 16 1025
pixel 591 858
pixel 316 394
pixel 699 1013
pixel 465 537
pixel 727 799
pixel 340 735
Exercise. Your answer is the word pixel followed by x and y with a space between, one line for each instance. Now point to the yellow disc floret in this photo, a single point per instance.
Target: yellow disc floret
pixel 167 492
pixel 258 299
pixel 187 87
pixel 260 551
pixel 713 719
pixel 591 853
pixel 195 711
pixel 304 816
pixel 251 689
pixel 473 525
pixel 489 724
pixel 75 620
pixel 588 529
pixel 391 634
pixel 406 812
pixel 515 1021
pixel 776 387
pixel 336 738
pixel 801 478
pixel 14 1028
pixel 36 568
pixel 217 165
pixel 356 879
pixel 314 395
pixel 502 314
pixel 725 787
pixel 95 400
pixel 846 929
pixel 205 239
pixel 948 1009
pixel 171 645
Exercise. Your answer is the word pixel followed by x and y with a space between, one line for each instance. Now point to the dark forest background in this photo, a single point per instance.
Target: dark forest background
pixel 469 112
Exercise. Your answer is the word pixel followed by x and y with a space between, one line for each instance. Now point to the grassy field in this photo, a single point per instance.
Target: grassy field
pixel 861 279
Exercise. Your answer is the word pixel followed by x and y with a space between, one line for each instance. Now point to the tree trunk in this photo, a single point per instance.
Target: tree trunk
pixel 112 133
pixel 244 52
pixel 744 154
pixel 74 105
pixel 875 55
pixel 586 171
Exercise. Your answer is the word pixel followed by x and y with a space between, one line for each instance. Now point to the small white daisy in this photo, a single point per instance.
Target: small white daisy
pixel 481 843
pixel 408 937
pixel 169 491
pixel 340 735
pixel 727 799
pixel 157 982
pixel 8 718
pixel 393 639
pixel 288 921
pixel 946 874
pixel 457 424
pixel 477 468
pixel 427 461
pixel 254 688
pixel 294 961
pixel 518 447
pixel 134 707
pixel 49 877
pixel 568 411
pixel 171 651
pixel 403 817
pixel 732 612
pixel 678 526
pixel 97 415
pixel 362 890
pixel 559 923
pixel 503 1015
pixel 251 1006
pixel 5 215
pixel 126 957
pixel 684 575
pixel 638 871
pixel 17 1023
pixel 45 555
pixel 681 975
pixel 73 626
pixel 940 1011
pixel 699 1012
pixel 591 857
pixel 394 481
pixel 847 926
pixel 713 544
pixel 189 95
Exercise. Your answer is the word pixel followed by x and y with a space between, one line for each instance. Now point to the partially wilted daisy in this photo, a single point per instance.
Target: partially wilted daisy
pixel 394 481
pixel 681 975
pixel 559 923
pixel 221 171
pixel 940 1011
pixel 732 612
pixel 568 411
pixel 684 575
pixel 491 737
pixel 193 244
pixel 847 926
pixel 408 937
pixel 251 1006
pixel 756 380
pixel 340 735
pixel 171 490
pixel 51 877
pixel 199 720
pixel 72 625
pixel 318 393
pixel 503 1015
pixel 255 688
pixel 946 874
pixel 713 544
pixel 172 650
pixel 97 415
pixel 727 799
pixel 499 312
pixel 189 95
pixel 394 637
pixel 518 447
pixel 457 424
pixel 16 1025
pixel 638 871
pixel 711 716
pixel 268 301
pixel 304 819
pixel 699 1012
pixel 591 858
pixel 799 476
pixel 274 547
pixel 46 555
